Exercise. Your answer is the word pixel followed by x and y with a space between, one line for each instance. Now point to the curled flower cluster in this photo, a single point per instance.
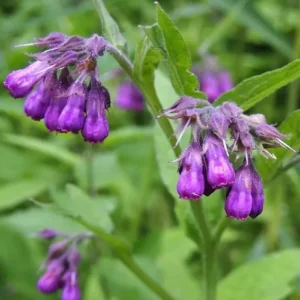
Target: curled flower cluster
pixel 205 165
pixel 213 80
pixel 61 265
pixel 62 86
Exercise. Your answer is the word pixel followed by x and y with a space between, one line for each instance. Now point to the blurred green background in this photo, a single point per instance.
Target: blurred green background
pixel 248 38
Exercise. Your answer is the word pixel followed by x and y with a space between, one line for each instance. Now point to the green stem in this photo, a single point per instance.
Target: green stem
pixel 90 169
pixel 129 262
pixel 220 228
pixel 294 86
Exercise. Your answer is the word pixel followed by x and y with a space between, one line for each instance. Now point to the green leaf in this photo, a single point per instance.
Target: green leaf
pixel 178 56
pixel 254 89
pixel 78 205
pixel 93 289
pixel 34 219
pixel 146 61
pixel 109 25
pixel 15 193
pixel 268 278
pixel 44 147
pixel 250 17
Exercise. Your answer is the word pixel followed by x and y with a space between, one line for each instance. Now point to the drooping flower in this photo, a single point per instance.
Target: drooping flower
pixel 96 128
pixel 238 203
pixel 225 81
pixel 129 97
pixel 220 172
pixel 191 179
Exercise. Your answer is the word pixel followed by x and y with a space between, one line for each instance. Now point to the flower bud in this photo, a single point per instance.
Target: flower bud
pixel 21 82
pixel 191 180
pixel 129 97
pixel 238 204
pixel 51 40
pixel 48 234
pixel 218 124
pixel 220 172
pixel 268 132
pixel 71 289
pixel 72 115
pixel 231 110
pixel 209 84
pixel 57 249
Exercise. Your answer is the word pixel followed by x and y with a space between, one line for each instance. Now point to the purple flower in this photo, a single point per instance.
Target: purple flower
pixel 238 204
pixel 50 281
pixel 58 101
pixel 21 82
pixel 72 115
pixel 220 172
pixel 96 128
pixel 129 97
pixel 225 82
pixel 71 289
pixel 38 101
pixel 231 110
pixel 209 84
pixel 191 180
pixel 48 233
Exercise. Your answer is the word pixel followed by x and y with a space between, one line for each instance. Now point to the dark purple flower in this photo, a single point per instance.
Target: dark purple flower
pixel 72 116
pixel 220 172
pixel 129 97
pixel 191 180
pixel 57 249
pixel 38 101
pixel 58 101
pixel 50 281
pixel 73 258
pixel 21 82
pixel 257 194
pixel 96 128
pixel 239 201
pixel 225 82
pixel 71 289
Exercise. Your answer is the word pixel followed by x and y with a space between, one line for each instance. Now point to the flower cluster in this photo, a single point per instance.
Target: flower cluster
pixel 62 86
pixel 205 165
pixel 61 265
pixel 213 80
pixel 129 97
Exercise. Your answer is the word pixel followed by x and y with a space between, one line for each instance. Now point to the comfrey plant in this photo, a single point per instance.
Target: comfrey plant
pixel 62 87
pixel 61 264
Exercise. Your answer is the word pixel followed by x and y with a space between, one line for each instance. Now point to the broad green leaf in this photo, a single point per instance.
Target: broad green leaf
pixel 268 278
pixel 176 248
pixel 75 203
pixel 291 127
pixel 15 193
pixel 178 56
pixel 254 89
pixel 250 17
pixel 155 35
pixel 33 219
pixel 109 25
pixel 43 147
